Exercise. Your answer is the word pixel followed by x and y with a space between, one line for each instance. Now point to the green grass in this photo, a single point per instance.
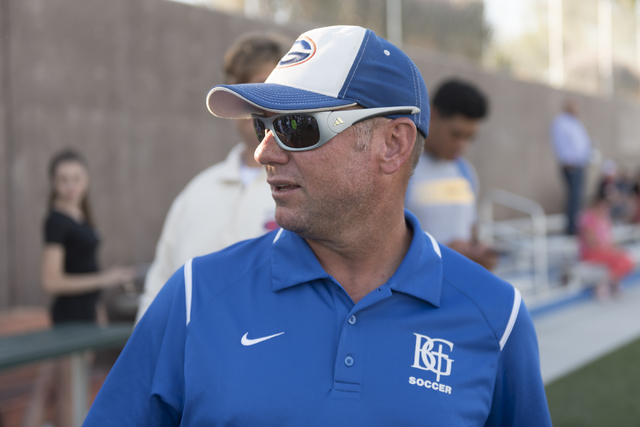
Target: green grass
pixel 605 393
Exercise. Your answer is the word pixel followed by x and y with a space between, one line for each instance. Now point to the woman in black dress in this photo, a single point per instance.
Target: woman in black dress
pixel 70 270
pixel 70 273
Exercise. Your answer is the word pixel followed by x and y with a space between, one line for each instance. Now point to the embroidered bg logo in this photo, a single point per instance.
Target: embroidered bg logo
pixel 428 360
pixel 301 51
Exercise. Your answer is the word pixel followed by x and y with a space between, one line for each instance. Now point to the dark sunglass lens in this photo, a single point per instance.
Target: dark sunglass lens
pixel 260 129
pixel 297 130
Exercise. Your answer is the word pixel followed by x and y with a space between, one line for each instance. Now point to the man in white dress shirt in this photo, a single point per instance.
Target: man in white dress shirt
pixel 572 147
pixel 230 201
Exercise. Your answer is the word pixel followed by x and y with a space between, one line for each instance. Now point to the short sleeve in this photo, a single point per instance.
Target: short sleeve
pixel 54 230
pixel 146 385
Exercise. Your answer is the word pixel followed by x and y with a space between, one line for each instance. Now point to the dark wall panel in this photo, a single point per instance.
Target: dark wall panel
pixel 124 82
pixel 4 155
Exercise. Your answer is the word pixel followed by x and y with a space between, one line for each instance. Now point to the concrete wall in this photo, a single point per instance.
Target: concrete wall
pixel 124 81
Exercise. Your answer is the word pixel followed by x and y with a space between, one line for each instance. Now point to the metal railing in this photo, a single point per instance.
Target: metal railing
pixel 72 340
pixel 533 239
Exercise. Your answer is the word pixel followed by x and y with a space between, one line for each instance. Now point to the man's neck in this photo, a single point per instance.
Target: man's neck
pixel 367 258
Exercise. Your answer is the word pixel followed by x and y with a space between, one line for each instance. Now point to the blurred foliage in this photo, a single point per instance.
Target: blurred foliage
pixel 526 56
pixel 459 27
pixel 453 27
pixel 365 13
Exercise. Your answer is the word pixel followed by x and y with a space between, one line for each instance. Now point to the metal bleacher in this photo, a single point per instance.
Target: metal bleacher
pixel 535 255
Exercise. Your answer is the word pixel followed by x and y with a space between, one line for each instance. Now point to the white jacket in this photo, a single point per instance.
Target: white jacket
pixel 212 212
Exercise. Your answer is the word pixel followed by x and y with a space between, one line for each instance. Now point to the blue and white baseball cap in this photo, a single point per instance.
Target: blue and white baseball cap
pixel 330 68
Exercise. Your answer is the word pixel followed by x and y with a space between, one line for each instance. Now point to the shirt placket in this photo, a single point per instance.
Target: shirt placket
pixel 350 360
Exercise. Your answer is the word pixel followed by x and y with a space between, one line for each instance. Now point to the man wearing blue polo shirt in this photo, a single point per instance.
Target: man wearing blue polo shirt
pixel 351 314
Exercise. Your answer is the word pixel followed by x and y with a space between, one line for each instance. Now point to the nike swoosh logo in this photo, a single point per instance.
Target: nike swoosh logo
pixel 246 341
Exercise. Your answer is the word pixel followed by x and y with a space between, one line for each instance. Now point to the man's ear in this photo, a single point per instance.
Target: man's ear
pixel 399 138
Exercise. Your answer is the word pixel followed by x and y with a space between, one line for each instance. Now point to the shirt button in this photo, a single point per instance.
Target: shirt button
pixel 348 361
pixel 352 320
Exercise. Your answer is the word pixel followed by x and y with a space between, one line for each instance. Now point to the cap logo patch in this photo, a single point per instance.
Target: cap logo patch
pixel 302 50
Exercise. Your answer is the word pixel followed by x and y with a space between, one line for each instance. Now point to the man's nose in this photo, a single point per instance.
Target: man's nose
pixel 269 152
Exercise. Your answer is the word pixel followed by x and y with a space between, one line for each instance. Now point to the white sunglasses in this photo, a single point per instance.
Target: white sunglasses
pixel 306 131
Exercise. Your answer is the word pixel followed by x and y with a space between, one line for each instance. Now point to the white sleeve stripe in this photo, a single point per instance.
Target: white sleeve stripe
pixel 436 247
pixel 188 287
pixel 517 299
pixel 278 235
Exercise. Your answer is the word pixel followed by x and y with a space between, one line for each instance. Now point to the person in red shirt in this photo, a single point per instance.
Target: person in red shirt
pixel 597 246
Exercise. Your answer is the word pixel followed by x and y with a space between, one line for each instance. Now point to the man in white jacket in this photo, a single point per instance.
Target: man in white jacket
pixel 230 201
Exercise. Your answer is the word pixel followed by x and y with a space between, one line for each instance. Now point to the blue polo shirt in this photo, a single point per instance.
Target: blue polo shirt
pixel 260 335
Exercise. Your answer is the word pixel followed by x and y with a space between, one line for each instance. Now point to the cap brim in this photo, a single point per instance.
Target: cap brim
pixel 242 100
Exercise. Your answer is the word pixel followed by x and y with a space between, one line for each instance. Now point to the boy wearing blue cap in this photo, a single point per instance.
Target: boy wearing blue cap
pixel 350 314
